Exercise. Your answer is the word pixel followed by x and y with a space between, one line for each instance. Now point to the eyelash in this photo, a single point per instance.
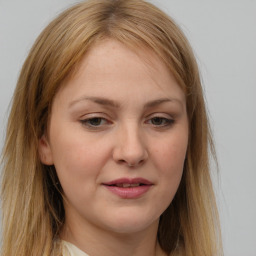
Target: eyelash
pixel 102 122
pixel 165 122
pixel 86 122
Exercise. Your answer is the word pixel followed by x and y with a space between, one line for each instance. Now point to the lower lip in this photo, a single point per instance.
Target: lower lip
pixel 129 193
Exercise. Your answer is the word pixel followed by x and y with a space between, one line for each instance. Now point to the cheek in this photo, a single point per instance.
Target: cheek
pixel 169 156
pixel 170 162
pixel 172 152
pixel 76 157
pixel 78 166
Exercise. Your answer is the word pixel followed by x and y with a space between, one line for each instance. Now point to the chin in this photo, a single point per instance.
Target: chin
pixel 128 223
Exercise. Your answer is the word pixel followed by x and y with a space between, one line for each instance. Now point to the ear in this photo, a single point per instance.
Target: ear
pixel 45 152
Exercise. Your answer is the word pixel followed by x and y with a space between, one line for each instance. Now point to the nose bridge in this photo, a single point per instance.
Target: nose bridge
pixel 130 145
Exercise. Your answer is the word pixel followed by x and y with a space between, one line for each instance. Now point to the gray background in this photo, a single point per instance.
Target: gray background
pixel 223 35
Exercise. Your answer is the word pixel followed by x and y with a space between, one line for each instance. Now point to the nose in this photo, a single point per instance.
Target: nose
pixel 130 148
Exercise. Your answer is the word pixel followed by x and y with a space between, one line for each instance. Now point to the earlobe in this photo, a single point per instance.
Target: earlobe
pixel 45 152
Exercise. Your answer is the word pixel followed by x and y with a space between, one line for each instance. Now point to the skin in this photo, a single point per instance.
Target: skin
pixel 122 115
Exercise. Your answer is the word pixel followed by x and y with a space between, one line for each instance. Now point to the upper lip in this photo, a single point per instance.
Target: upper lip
pixel 129 181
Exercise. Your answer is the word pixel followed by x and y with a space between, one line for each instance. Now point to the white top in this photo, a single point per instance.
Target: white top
pixel 71 250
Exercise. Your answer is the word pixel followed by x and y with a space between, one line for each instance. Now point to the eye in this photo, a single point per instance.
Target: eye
pixel 94 122
pixel 161 121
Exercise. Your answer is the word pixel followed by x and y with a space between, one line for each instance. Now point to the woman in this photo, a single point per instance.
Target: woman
pixel 107 142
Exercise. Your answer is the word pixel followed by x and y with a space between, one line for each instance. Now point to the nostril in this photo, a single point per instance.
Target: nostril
pixel 130 164
pixel 121 161
pixel 129 155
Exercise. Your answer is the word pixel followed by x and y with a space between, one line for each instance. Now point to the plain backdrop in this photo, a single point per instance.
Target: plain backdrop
pixel 223 35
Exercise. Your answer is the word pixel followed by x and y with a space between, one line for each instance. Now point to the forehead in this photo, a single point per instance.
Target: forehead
pixel 111 65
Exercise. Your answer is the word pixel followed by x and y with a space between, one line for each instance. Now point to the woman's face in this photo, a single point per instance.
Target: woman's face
pixel 117 136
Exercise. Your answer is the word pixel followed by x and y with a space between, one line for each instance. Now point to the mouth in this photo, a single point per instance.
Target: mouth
pixel 127 182
pixel 129 188
pixel 127 185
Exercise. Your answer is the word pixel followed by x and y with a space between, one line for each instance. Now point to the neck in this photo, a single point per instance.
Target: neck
pixel 97 242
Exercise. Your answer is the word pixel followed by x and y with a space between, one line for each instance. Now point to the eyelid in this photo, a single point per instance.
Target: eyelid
pixel 167 121
pixel 160 115
pixel 84 120
pixel 167 118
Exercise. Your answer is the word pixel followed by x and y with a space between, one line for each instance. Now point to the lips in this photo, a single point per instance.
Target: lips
pixel 135 181
pixel 128 188
pixel 127 185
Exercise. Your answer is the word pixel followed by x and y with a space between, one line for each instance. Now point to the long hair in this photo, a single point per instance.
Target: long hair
pixel 33 212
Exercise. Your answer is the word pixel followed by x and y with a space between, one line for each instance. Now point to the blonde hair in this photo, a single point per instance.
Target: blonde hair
pixel 33 212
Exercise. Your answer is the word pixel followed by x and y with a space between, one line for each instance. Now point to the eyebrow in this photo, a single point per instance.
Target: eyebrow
pixel 110 103
pixel 157 102
pixel 98 100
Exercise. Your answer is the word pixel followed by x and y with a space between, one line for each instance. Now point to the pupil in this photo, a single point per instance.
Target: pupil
pixel 95 121
pixel 157 120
